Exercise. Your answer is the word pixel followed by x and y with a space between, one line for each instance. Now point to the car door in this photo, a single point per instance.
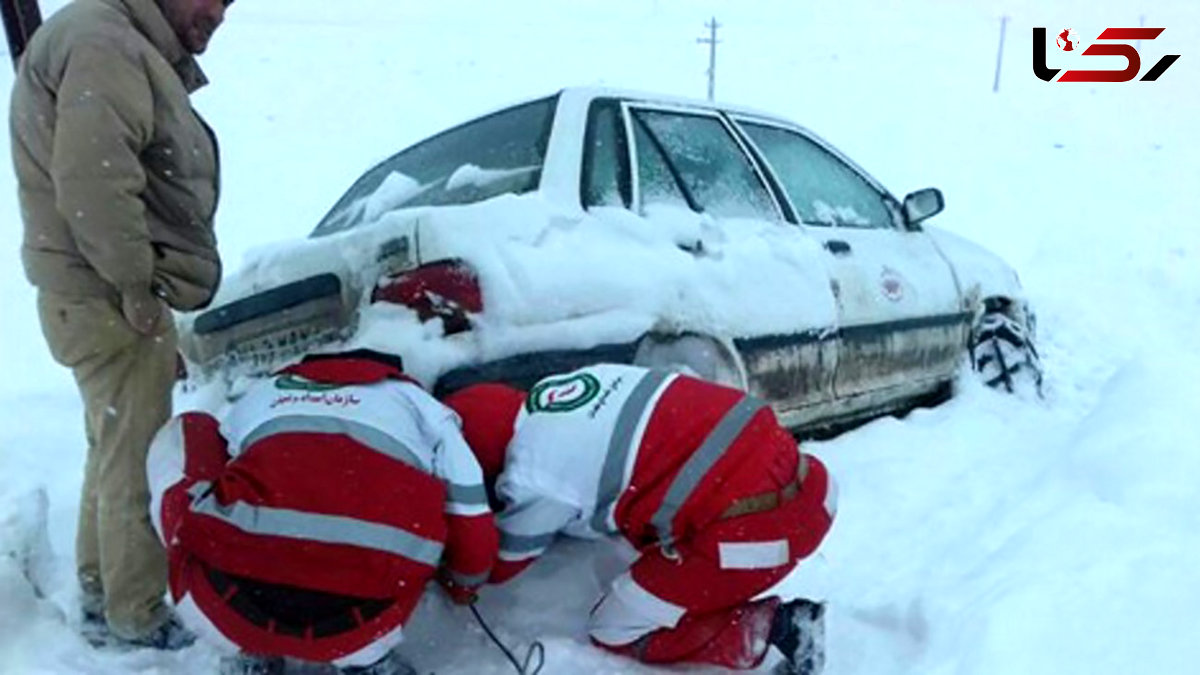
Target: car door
pixel 900 325
pixel 679 157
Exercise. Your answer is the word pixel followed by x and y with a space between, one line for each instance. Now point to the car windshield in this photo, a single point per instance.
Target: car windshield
pixel 493 155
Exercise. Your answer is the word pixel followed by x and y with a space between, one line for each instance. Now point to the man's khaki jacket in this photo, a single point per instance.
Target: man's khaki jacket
pixel 118 177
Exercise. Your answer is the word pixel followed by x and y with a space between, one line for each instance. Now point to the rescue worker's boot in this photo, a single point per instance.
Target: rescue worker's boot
pixel 798 632
pixel 251 664
pixel 391 664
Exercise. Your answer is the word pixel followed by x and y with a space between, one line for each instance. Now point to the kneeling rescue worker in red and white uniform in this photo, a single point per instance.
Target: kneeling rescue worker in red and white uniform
pixel 713 497
pixel 307 522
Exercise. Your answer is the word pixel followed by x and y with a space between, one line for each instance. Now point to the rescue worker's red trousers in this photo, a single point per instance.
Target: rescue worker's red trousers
pixel 694 605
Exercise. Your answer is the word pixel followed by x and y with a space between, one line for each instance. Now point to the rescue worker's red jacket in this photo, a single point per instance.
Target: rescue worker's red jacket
pixel 651 455
pixel 338 478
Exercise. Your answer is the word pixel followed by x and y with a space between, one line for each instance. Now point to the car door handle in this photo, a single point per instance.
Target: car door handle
pixel 837 247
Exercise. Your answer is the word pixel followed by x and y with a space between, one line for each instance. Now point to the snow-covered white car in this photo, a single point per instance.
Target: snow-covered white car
pixel 599 225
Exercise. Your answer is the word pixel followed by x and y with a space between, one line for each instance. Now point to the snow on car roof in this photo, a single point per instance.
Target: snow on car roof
pixel 634 94
pixel 583 94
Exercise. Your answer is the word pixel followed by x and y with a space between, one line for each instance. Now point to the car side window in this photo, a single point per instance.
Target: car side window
pixel 822 188
pixel 656 177
pixel 693 157
pixel 605 162
pixel 493 155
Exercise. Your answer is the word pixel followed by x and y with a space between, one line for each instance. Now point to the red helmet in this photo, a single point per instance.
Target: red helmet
pixel 488 413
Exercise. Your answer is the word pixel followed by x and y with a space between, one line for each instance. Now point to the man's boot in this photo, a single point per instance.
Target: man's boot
pixel 798 632
pixel 92 625
pixel 94 628
pixel 169 636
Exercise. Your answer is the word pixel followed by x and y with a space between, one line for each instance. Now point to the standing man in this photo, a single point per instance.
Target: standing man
pixel 710 497
pixel 118 182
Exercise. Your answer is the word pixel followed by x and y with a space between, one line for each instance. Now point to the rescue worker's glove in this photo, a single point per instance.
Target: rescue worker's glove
pixel 459 594
pixel 141 308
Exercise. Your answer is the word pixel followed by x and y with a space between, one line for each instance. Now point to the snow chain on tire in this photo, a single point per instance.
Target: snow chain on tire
pixel 1004 355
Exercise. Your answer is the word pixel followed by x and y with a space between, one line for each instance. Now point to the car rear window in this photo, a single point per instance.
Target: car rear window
pixel 493 155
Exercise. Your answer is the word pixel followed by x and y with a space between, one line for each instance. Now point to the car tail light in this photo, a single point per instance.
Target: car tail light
pixel 447 288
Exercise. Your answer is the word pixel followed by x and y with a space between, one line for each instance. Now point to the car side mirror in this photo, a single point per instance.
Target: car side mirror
pixel 922 205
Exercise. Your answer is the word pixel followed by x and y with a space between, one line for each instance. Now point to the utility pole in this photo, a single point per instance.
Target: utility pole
pixel 1000 54
pixel 711 41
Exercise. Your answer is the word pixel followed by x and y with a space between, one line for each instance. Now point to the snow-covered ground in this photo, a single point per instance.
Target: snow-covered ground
pixel 990 535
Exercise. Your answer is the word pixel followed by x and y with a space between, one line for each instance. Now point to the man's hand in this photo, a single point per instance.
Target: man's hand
pixel 459 594
pixel 141 308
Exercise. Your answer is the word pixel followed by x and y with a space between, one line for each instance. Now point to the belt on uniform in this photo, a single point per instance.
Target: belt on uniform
pixel 309 614
pixel 768 501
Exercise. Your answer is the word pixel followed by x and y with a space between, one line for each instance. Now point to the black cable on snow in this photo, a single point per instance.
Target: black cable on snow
pixel 535 649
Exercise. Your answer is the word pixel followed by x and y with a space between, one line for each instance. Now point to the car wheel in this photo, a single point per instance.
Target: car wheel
pixel 697 355
pixel 1003 353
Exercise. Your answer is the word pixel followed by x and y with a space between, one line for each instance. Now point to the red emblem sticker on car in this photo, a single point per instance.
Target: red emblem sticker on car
pixel 891 285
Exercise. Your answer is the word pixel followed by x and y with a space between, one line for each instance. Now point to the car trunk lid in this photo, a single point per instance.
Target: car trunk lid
pixel 295 298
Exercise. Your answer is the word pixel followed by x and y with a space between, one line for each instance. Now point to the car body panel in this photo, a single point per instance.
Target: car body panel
pixel 980 272
pixel 526 271
pixel 899 318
